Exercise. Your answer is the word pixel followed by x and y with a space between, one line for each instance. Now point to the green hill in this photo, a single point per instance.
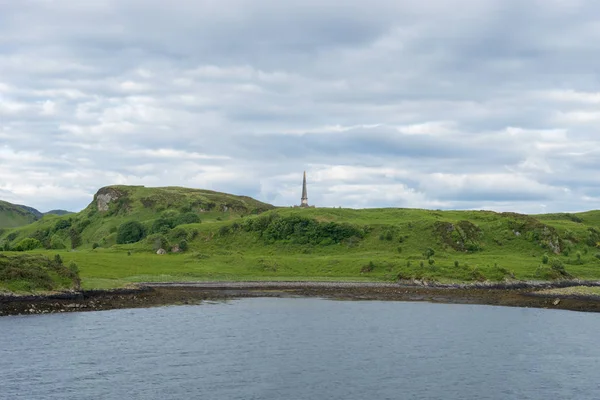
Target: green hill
pixel 12 215
pixel 217 236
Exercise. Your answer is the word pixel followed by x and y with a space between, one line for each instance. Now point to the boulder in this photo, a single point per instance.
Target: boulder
pixel 161 252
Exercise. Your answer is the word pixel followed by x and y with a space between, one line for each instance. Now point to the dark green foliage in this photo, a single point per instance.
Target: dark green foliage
pixel 558 266
pixel 545 259
pixel 456 264
pixel 83 224
pixel 193 234
pixel 130 232
pixel 57 244
pixel 429 252
pixel 29 272
pixel 62 224
pixel 163 225
pixel 11 236
pixel 301 230
pixel 75 238
pixel 179 233
pixel 593 237
pixel 431 261
pixel 95 246
pixel 187 218
pixel 597 255
pixel 183 245
pixel 225 230
pixel 28 244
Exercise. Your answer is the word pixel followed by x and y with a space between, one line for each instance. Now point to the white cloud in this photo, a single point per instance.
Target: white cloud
pixel 420 104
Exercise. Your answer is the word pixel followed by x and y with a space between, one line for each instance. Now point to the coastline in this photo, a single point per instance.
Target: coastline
pixel 510 294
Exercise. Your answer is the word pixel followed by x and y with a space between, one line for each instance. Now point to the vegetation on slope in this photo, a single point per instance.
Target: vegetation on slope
pixel 29 272
pixel 219 236
pixel 12 215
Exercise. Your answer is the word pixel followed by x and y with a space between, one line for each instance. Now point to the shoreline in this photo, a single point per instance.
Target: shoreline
pixel 510 294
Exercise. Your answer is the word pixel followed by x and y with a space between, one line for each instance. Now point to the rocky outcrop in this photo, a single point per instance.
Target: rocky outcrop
pixel 105 196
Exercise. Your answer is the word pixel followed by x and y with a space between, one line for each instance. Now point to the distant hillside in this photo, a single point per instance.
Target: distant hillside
pixel 13 215
pixel 58 212
pixel 112 206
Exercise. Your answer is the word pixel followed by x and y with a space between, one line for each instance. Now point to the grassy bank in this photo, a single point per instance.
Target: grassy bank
pixel 218 236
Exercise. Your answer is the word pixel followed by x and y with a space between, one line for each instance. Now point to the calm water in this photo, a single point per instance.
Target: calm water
pixel 302 349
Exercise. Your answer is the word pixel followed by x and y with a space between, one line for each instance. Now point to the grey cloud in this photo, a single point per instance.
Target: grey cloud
pixel 91 93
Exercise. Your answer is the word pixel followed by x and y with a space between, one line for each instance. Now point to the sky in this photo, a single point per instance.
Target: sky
pixel 438 104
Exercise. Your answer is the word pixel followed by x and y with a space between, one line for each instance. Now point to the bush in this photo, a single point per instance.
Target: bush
pixel 188 218
pixel 431 261
pixel 95 246
pixel 558 266
pixel 183 245
pixel 28 244
pixel 57 244
pixel 75 238
pixel 368 268
pixel 179 233
pixel 456 264
pixel 301 230
pixel 429 252
pixel 163 225
pixel 62 224
pixel 130 232
pixel 545 259
pixel 193 234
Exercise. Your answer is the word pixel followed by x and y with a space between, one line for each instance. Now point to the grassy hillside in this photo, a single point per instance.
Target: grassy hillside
pixel 12 215
pixel 229 237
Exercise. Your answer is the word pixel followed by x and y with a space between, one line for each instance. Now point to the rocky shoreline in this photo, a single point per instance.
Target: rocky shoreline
pixel 513 294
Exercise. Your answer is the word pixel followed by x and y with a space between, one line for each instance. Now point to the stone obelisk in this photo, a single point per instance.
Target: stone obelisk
pixel 304 200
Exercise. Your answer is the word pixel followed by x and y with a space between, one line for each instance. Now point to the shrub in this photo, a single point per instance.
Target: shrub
pixel 163 225
pixel 179 233
pixel 130 232
pixel 12 236
pixel 183 245
pixel 75 238
pixel 422 264
pixel 431 261
pixel 193 234
pixel 95 246
pixel 62 224
pixel 597 255
pixel 188 218
pixel 456 264
pixel 429 252
pixel 57 244
pixel 558 266
pixel 28 244
pixel 368 268
pixel 545 259
pixel 224 230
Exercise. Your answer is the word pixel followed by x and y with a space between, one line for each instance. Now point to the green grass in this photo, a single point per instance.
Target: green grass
pixel 387 244
pixel 12 216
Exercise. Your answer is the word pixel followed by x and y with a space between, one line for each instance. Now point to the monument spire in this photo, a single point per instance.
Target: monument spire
pixel 304 200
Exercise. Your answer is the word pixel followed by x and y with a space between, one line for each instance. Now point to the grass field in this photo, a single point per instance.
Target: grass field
pixel 238 238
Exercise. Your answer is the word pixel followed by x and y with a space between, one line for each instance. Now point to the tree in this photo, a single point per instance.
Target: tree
pixel 75 238
pixel 130 232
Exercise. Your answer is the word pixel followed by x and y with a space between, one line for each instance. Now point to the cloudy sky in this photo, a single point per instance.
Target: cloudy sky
pixel 465 104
